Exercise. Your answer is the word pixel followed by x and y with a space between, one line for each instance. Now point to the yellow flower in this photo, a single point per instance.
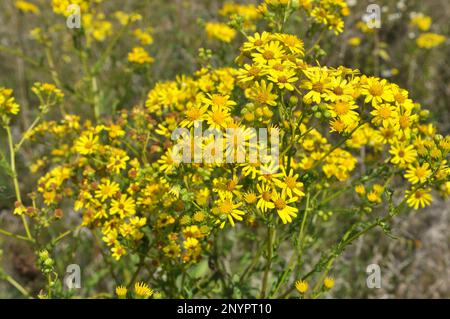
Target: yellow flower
pixel 269 52
pixel 360 189
pixel 166 162
pixel 26 6
pixel 265 197
pixel 328 282
pixel 118 251
pixel 142 290
pixel 283 79
pixel 354 41
pixel 301 286
pixel 121 292
pixel 117 162
pixel 257 41
pixel 190 243
pixel 285 212
pixel 220 31
pixel 318 85
pixel 344 111
pixel 227 210
pixel 140 56
pixel 86 144
pixel 106 190
pixel 418 173
pixel 419 198
pixel 218 117
pixel 374 197
pixel 403 155
pixel 384 114
pixel 429 40
pixel 289 184
pixel 423 22
pixel 193 113
pixel 377 91
pixel 124 206
pixel 143 36
pixel 261 93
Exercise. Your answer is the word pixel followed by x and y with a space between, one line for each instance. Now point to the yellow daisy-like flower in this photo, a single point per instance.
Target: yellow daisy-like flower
pixel 227 210
pixel 403 155
pixel 121 292
pixel 285 212
pixel 124 206
pixel 261 93
pixel 419 198
pixel 107 190
pixel 117 163
pixel 265 197
pixel 344 111
pixel 377 91
pixel 270 52
pixel 418 173
pixel 384 114
pixel 289 184
pixel 86 144
pixel 284 79
pixel 218 117
pixel 142 290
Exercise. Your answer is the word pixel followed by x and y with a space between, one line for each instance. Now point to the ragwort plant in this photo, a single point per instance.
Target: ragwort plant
pixel 351 145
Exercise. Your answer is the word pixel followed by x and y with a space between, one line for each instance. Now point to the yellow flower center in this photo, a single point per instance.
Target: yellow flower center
pixel 404 121
pixel 262 97
pixel 266 196
pixel 400 98
pixel 318 87
pixel 193 114
pixel 290 182
pixel 259 42
pixel 282 79
pixel 376 89
pixel 280 204
pixel 338 90
pixel 268 55
pixel 384 112
pixel 219 100
pixel 254 71
pixel 341 108
pixel 226 207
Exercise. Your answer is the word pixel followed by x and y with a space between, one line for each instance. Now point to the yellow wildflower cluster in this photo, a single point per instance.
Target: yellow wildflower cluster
pixel 8 105
pixel 27 7
pixel 220 31
pixel 429 40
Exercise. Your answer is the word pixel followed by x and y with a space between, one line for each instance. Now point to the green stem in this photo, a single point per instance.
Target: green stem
pixel 9 234
pixel 15 180
pixel 27 133
pixel 270 239
pixel 18 286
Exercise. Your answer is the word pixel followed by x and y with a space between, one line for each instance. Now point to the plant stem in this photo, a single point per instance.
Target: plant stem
pixel 27 132
pixel 270 238
pixel 18 286
pixel 9 234
pixel 16 181
pixel 298 251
